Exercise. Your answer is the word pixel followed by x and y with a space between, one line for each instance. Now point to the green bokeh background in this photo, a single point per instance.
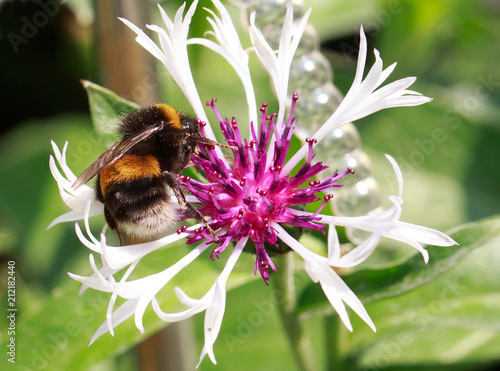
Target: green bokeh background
pixel 447 149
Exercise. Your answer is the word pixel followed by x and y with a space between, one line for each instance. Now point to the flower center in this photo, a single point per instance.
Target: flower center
pixel 245 195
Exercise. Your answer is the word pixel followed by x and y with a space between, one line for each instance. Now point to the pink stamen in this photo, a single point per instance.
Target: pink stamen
pixel 246 197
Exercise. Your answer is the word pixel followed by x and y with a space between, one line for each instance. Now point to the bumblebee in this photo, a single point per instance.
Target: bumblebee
pixel 135 177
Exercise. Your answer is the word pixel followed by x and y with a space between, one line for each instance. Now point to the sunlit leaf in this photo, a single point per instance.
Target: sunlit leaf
pixel 56 334
pixel 106 109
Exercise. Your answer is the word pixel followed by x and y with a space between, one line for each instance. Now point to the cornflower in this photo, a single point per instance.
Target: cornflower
pixel 252 199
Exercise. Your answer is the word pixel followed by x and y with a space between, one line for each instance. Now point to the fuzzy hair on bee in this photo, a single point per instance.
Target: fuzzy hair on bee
pixel 138 175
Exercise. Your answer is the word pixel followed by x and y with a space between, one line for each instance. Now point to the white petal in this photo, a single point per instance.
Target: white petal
pixel 229 47
pixel 61 159
pixel 425 235
pixel 334 288
pixel 361 100
pixel 386 73
pixel 93 282
pixel 70 216
pixel 179 316
pixel 386 97
pixel 334 297
pixel 360 67
pixel 62 182
pixel 213 320
pixel 397 171
pixel 76 200
pixel 278 67
pixel 398 237
pixel 396 87
pixel 144 40
pixel 352 300
pixel 184 298
pixel 368 85
pixel 112 301
pixel 142 304
pixel 405 101
pixel 86 215
pixel 121 256
pixel 89 244
pixel 215 312
pixel 359 254
pixel 369 223
pixel 125 311
pixel 264 51
pixel 333 245
pixel 166 19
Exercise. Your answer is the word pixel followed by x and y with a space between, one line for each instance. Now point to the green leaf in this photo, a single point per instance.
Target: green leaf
pixel 106 109
pixel 452 320
pixel 31 199
pixel 445 312
pixel 55 335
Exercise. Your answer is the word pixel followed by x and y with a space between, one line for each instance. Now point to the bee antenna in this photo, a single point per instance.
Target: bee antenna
pixel 210 142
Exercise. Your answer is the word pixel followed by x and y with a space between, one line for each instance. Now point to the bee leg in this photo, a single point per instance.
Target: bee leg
pixel 112 223
pixel 179 194
pixel 119 236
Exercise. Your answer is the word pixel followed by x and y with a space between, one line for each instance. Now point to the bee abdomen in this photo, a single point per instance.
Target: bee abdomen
pixel 129 169
pixel 139 191
pixel 141 207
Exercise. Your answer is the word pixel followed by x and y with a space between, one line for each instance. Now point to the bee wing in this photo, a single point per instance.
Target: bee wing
pixel 115 152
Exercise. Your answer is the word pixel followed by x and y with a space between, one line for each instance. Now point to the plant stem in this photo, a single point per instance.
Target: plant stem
pixel 332 328
pixel 286 302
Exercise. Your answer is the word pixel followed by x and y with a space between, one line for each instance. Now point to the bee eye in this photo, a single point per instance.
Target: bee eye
pixel 190 128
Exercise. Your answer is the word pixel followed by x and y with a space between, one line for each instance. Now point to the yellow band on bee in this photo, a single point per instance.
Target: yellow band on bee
pixel 172 115
pixel 129 168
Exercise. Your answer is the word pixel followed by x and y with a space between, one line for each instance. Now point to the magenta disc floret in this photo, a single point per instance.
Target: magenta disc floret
pixel 244 195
